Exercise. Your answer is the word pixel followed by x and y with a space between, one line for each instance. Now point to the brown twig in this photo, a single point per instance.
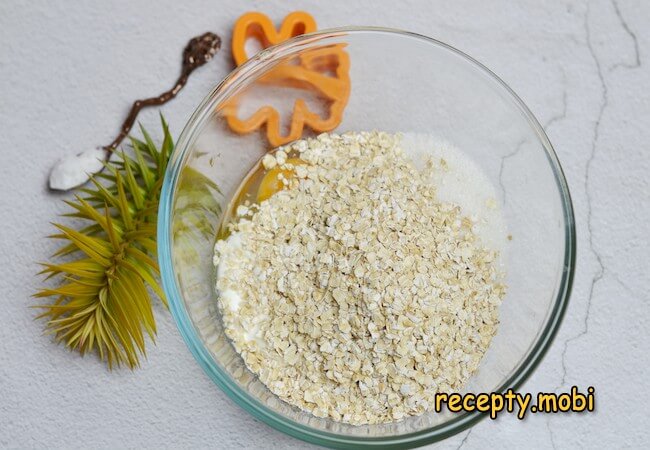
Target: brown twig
pixel 197 52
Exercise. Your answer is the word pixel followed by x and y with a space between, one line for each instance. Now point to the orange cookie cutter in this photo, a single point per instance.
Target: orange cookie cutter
pixel 257 25
pixel 310 71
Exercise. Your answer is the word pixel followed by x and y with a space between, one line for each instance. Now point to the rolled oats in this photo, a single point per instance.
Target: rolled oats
pixel 354 293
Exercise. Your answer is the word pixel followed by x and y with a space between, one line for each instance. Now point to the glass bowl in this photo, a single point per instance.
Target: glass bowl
pixel 400 82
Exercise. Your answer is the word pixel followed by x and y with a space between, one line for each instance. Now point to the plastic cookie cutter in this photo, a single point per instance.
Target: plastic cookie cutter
pixel 323 70
pixel 259 26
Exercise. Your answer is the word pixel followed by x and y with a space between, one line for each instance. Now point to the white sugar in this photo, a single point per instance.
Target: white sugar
pixel 460 180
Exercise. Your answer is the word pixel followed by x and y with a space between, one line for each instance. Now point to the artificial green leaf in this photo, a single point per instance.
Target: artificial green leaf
pixel 100 303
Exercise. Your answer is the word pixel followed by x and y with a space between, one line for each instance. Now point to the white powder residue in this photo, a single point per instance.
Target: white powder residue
pixel 231 298
pixel 460 180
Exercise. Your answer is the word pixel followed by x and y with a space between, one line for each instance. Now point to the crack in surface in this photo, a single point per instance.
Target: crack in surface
pixel 600 272
pixel 552 120
pixel 628 289
pixel 502 167
pixel 550 433
pixel 464 439
pixel 562 115
pixel 635 41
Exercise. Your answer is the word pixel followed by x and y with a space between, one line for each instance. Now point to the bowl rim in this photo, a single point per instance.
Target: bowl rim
pixel 465 420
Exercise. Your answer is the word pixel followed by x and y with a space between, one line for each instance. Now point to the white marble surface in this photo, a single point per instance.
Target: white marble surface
pixel 68 71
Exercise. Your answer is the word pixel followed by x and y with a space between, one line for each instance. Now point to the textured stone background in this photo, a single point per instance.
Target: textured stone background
pixel 68 71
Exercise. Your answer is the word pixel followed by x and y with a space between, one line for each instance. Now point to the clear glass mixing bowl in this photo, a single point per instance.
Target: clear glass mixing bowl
pixel 400 82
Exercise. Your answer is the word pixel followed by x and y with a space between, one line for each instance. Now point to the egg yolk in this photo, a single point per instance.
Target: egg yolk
pixel 271 183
